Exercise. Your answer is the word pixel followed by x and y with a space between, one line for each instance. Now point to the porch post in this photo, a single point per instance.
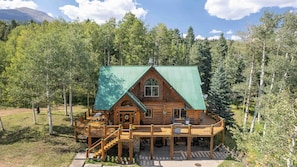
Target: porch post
pixel 120 149
pixel 211 143
pixel 152 142
pixel 189 141
pixel 172 142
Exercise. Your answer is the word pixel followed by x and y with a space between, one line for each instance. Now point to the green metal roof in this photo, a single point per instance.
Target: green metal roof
pixel 115 81
pixel 137 101
pixel 187 83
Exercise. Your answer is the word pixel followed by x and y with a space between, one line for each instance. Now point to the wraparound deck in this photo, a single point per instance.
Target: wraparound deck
pixel 111 135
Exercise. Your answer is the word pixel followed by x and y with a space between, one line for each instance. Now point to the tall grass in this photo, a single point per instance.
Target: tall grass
pixel 26 144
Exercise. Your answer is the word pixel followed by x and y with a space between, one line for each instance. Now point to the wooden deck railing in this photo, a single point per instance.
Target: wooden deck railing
pixel 105 132
pixel 176 130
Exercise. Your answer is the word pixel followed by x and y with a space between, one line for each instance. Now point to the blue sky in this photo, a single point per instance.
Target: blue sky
pixel 208 18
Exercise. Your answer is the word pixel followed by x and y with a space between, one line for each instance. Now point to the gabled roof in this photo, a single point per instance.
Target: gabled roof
pixel 115 81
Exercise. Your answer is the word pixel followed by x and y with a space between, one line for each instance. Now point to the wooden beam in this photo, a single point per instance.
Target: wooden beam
pixel 152 148
pixel 103 156
pixel 130 151
pixel 189 141
pixel 152 142
pixel 172 142
pixel 120 150
pixel 223 132
pixel 211 143
pixel 89 140
pixel 211 148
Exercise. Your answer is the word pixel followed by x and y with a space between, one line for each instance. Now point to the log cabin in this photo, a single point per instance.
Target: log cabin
pixel 148 102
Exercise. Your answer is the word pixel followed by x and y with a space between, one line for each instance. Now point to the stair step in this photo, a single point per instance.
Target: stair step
pixel 109 145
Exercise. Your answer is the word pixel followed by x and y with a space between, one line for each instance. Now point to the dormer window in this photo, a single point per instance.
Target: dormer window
pixel 151 88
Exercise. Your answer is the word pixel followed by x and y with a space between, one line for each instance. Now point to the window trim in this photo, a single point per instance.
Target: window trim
pixel 151 116
pixel 151 88
pixel 180 110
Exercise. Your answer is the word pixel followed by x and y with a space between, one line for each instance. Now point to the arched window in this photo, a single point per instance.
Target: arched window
pixel 151 88
pixel 126 103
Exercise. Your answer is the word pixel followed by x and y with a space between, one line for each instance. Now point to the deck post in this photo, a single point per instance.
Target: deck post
pixel 102 148
pixel 172 142
pixel 211 143
pixel 130 145
pixel 75 132
pixel 152 142
pixel 120 131
pixel 89 140
pixel 120 149
pixel 130 151
pixel 130 131
pixel 189 141
pixel 223 132
pixel 104 130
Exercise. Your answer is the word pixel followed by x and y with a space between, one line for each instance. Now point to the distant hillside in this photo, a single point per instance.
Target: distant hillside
pixel 24 15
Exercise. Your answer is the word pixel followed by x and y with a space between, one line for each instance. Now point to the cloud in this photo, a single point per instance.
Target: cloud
pixel 229 32
pixel 237 9
pixel 12 4
pixel 216 37
pixel 235 37
pixel 214 31
pixel 100 11
pixel 199 37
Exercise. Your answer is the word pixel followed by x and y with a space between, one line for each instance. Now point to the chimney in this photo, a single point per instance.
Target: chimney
pixel 151 61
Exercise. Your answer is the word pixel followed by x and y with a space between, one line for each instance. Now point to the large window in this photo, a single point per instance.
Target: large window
pixel 148 113
pixel 151 88
pixel 179 113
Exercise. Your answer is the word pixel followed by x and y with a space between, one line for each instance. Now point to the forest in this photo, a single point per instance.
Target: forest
pixel 57 63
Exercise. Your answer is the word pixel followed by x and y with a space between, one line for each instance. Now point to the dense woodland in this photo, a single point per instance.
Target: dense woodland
pixel 57 63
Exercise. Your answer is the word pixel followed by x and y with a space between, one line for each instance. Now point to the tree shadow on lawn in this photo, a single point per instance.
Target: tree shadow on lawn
pixel 64 130
pixel 27 134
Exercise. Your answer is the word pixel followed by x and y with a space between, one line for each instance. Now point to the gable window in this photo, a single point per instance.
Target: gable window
pixel 179 113
pixel 148 113
pixel 126 103
pixel 151 88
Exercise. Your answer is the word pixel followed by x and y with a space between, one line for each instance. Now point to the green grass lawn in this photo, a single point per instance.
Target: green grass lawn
pixel 26 144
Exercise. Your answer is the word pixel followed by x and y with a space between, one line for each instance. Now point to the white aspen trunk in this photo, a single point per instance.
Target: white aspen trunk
pixel 258 106
pixel 285 74
pixel 248 99
pixel 70 105
pixel 49 112
pixel 65 99
pixel 33 112
pixel 1 124
pixel 289 161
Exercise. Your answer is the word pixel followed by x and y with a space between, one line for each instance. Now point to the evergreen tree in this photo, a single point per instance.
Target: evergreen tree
pixel 200 55
pixel 219 94
pixel 189 41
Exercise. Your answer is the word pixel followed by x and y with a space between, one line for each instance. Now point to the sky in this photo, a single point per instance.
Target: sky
pixel 208 18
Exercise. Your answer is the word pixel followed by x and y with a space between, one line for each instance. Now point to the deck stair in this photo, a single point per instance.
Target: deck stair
pixel 108 146
pixel 105 144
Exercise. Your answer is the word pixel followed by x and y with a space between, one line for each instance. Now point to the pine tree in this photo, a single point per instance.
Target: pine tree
pixel 200 55
pixel 219 94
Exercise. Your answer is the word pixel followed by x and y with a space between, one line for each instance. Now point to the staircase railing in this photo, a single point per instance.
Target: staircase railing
pixel 102 141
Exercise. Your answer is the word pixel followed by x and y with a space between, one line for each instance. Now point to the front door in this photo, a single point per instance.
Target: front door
pixel 126 118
